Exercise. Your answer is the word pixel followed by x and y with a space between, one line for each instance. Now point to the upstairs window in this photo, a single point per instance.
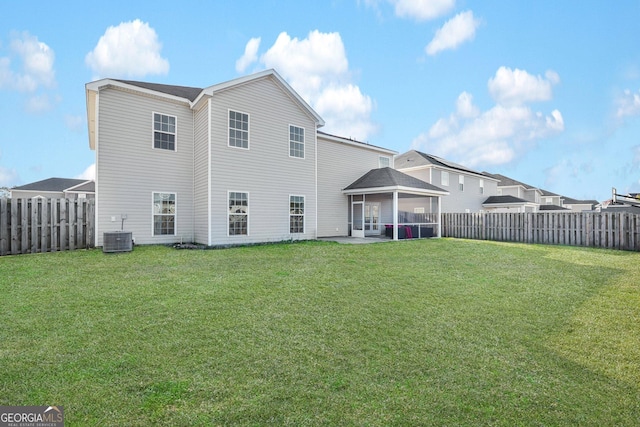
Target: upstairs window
pixel 461 182
pixel 164 132
pixel 444 178
pixel 482 186
pixel 296 214
pixel 238 130
pixel 384 162
pixel 296 142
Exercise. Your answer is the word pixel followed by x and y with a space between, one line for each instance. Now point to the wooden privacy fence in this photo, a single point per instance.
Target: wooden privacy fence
pixel 46 225
pixel 619 230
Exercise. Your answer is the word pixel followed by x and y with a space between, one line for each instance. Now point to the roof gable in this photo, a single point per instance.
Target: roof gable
pixel 271 74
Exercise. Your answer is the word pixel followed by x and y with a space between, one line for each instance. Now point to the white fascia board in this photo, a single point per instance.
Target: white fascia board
pixel 398 188
pixel 99 85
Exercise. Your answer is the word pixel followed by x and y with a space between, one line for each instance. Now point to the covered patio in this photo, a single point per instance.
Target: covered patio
pixel 387 202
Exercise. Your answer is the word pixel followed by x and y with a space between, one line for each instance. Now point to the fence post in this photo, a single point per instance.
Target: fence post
pixel 4 226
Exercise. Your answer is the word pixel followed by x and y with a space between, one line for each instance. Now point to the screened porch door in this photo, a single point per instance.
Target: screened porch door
pixel 372 218
pixel 357 219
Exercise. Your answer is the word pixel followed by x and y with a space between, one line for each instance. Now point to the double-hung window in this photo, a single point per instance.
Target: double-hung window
pixel 296 214
pixel 238 213
pixel 164 131
pixel 444 178
pixel 384 162
pixel 164 214
pixel 296 142
pixel 238 129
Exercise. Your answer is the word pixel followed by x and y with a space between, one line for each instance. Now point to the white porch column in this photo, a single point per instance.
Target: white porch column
pixel 395 215
pixel 439 216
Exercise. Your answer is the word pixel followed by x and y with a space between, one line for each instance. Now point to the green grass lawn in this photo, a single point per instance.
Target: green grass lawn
pixel 430 332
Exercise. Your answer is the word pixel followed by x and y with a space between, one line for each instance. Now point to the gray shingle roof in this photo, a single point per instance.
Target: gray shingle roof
pixel 388 177
pixel 504 199
pixel 52 184
pixel 505 181
pixel 190 93
pixel 552 208
pixel 416 158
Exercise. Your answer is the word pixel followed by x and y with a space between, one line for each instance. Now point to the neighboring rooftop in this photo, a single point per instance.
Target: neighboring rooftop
pixel 55 184
pixel 414 158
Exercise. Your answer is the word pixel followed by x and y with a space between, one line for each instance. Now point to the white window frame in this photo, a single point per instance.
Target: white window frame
pixel 229 128
pixel 236 213
pixel 167 132
pixel 383 159
pixel 461 182
pixel 303 215
pixel 444 178
pixel 303 143
pixel 154 213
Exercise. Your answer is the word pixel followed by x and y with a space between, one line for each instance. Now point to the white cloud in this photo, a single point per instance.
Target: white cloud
pixel 422 10
pixel 454 32
pixel 516 87
pixel 130 49
pixel 318 69
pixel 308 64
pixel 493 137
pixel 628 104
pixel 36 61
pixel 250 55
pixel 88 173
pixel 38 104
pixel 74 123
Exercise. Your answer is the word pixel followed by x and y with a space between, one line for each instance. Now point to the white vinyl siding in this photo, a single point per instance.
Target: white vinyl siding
pixel 461 182
pixel 129 169
pixel 266 171
pixel 296 141
pixel 481 186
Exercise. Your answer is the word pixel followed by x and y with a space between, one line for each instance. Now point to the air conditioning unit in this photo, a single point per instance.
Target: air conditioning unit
pixel 117 241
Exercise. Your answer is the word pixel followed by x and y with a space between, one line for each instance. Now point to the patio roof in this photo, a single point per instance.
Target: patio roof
pixel 384 180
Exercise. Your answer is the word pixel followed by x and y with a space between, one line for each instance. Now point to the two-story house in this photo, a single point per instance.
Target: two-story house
pixel 468 189
pixel 234 163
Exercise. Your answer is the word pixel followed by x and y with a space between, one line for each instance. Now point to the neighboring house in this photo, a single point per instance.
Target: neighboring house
pixel 468 189
pixel 525 198
pixel 234 163
pixel 579 205
pixel 57 188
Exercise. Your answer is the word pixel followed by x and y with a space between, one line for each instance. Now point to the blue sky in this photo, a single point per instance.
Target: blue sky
pixel 545 92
